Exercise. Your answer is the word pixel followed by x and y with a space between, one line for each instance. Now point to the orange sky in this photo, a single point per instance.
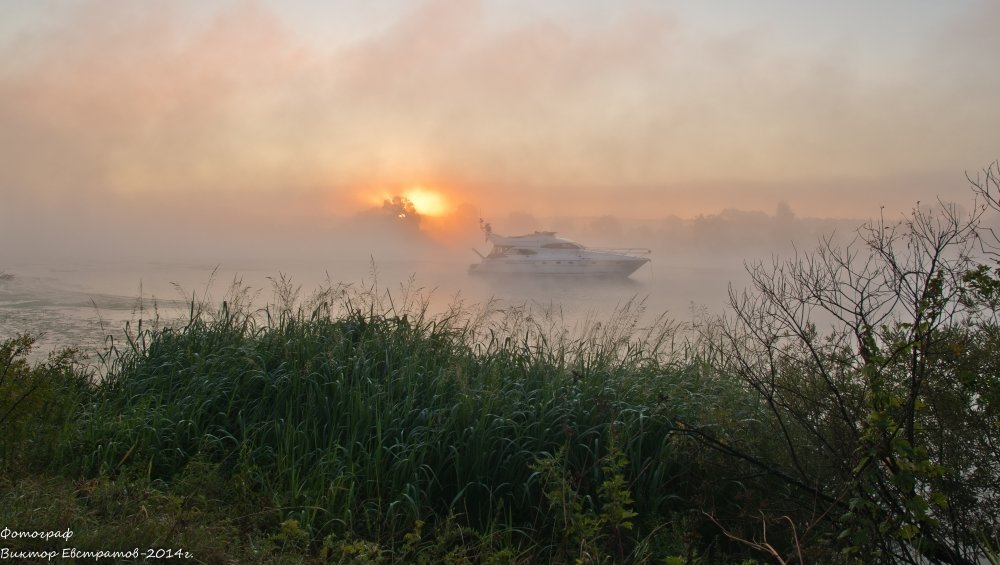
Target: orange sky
pixel 639 109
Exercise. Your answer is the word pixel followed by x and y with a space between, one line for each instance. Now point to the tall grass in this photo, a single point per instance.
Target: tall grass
pixel 358 414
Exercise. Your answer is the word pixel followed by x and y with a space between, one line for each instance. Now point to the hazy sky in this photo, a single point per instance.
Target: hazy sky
pixel 244 111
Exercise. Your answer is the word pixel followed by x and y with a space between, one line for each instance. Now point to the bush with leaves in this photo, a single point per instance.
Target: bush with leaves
pixel 36 401
pixel 874 366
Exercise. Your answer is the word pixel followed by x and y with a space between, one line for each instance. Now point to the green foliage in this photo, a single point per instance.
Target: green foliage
pixel 887 420
pixel 982 287
pixel 291 536
pixel 37 402
pixel 121 514
pixel 589 526
pixel 374 428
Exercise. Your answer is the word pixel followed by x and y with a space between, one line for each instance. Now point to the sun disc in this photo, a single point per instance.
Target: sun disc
pixel 427 202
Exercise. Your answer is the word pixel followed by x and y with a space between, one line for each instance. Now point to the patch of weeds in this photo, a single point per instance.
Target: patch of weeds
pixel 589 527
pixel 352 550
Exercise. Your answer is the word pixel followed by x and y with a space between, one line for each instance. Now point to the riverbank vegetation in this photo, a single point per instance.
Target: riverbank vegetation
pixel 846 409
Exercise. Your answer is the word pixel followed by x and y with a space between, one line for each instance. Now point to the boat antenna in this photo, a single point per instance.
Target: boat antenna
pixel 486 227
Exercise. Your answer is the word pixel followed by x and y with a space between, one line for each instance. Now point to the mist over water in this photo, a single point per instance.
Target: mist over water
pixel 144 145
pixel 79 303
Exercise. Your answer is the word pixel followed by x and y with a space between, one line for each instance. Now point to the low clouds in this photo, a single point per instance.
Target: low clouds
pixel 112 105
pixel 116 99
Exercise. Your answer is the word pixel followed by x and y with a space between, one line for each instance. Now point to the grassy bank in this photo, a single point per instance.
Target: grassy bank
pixel 353 429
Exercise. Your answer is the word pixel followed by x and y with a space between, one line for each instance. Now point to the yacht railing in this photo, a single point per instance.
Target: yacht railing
pixel 634 251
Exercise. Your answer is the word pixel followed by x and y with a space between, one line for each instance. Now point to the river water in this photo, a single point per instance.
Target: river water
pixel 81 303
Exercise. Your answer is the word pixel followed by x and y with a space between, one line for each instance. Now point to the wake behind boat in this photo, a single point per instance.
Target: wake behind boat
pixel 542 253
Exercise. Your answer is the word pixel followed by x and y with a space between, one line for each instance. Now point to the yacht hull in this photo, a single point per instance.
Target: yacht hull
pixel 617 267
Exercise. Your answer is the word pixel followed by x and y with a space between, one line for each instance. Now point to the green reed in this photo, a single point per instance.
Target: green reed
pixel 358 413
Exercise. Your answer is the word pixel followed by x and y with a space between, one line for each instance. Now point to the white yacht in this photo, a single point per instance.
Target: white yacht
pixel 542 253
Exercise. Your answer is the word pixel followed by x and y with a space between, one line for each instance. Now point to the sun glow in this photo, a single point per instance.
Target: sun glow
pixel 428 202
pixel 440 214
